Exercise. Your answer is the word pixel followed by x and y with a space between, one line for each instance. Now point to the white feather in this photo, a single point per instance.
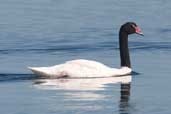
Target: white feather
pixel 80 68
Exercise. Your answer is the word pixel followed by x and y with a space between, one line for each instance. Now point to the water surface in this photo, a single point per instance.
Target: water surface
pixel 48 32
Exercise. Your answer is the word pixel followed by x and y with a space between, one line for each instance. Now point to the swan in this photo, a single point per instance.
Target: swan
pixel 89 68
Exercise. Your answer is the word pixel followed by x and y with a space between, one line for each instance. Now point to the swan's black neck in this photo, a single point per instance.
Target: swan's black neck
pixel 124 51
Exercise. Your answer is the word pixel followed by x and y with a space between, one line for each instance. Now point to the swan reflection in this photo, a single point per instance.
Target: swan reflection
pixel 124 98
pixel 88 89
pixel 80 84
pixel 82 88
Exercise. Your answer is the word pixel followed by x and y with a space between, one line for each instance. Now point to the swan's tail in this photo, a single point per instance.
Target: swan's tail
pixel 41 71
pixel 52 72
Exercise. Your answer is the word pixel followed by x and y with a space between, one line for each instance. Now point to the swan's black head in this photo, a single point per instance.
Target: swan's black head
pixel 131 28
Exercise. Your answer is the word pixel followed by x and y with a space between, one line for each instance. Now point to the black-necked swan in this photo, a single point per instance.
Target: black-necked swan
pixel 89 68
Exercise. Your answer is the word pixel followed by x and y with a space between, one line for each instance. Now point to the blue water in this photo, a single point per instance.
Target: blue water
pixel 48 32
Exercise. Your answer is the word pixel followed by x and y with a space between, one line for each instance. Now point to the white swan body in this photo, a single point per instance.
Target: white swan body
pixel 80 68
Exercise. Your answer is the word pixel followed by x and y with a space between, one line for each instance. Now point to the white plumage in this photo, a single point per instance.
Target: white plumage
pixel 80 68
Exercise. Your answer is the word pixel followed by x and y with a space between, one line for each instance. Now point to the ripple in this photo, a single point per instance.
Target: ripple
pixel 104 46
pixel 165 30
pixel 16 77
pixel 151 46
pixel 5 77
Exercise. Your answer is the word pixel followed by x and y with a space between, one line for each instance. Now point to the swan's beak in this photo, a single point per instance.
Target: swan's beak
pixel 138 31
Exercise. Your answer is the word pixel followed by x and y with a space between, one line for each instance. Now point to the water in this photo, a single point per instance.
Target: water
pixel 48 32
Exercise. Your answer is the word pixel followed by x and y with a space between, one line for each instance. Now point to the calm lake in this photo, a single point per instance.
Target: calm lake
pixel 49 32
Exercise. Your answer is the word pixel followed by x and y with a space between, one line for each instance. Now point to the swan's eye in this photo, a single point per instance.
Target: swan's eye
pixel 134 26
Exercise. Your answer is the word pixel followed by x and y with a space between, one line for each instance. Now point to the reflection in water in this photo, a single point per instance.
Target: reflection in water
pixel 82 88
pixel 80 84
pixel 86 89
pixel 124 98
